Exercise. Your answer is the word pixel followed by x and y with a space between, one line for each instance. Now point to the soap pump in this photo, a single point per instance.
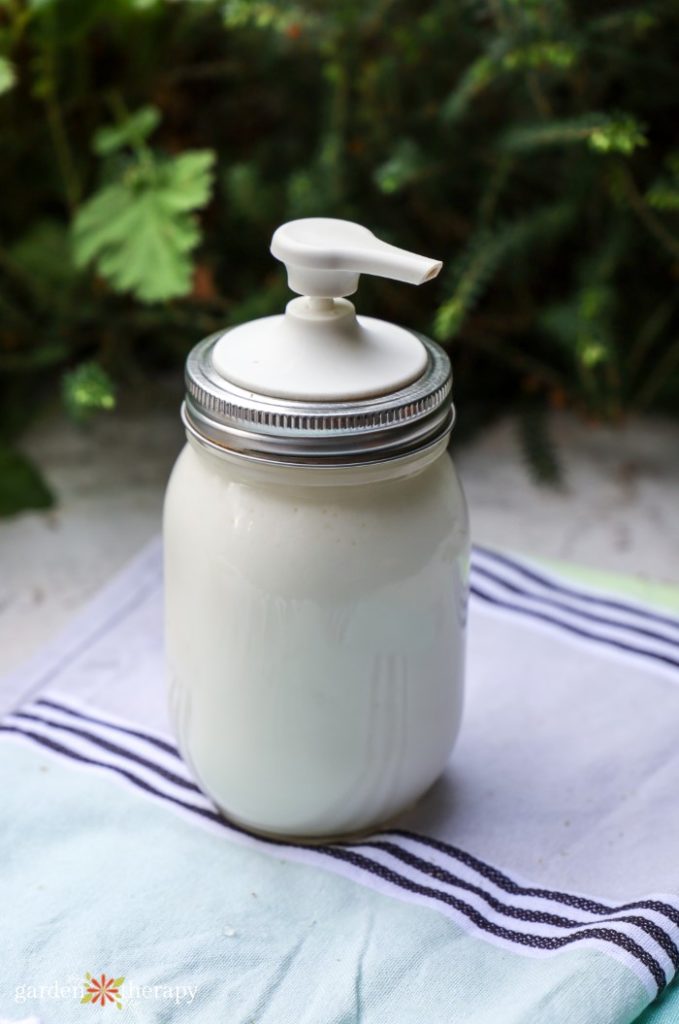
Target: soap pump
pixel 316 552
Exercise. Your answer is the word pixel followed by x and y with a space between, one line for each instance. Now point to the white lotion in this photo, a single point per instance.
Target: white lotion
pixel 316 578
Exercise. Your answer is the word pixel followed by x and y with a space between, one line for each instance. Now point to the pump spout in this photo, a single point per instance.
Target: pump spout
pixel 324 257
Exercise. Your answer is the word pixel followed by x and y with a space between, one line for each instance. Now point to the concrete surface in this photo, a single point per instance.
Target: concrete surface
pixel 618 511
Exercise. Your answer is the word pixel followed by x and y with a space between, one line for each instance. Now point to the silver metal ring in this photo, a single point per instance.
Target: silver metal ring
pixel 221 415
pixel 267 458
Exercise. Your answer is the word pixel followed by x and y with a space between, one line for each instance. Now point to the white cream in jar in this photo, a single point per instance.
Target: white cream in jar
pixel 316 574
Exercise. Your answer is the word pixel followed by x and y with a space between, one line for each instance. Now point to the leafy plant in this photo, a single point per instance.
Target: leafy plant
pixel 139 231
pixel 532 146
pixel 86 389
pixel 6 75
pixel 21 485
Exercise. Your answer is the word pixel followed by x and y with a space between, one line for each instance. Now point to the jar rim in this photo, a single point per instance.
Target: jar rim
pixel 221 415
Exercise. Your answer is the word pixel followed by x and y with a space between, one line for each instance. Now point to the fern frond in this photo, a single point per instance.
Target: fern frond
pixel 474 269
pixel 621 133
pixel 585 326
pixel 566 132
pixel 478 263
pixel 480 74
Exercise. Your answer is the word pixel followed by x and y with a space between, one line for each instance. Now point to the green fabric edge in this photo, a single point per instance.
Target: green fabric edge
pixel 663 596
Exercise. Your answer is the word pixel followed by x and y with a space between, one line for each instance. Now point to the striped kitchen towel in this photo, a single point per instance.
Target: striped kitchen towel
pixel 538 881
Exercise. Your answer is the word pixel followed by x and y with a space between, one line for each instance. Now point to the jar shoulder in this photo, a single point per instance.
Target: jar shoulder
pixel 203 483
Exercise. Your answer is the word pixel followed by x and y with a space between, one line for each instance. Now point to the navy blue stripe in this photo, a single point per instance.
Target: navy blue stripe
pixel 485 870
pixel 127 730
pixel 547 942
pixel 508 884
pixel 578 612
pixel 576 630
pixel 205 812
pixel 521 913
pixel 348 855
pixel 113 748
pixel 561 588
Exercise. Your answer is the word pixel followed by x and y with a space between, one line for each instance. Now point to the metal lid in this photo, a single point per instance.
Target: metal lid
pixel 229 419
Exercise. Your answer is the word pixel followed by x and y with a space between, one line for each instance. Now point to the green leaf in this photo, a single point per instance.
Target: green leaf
pixel 87 997
pixel 7 75
pixel 131 132
pixel 21 484
pixel 622 134
pixel 118 982
pixel 88 389
pixel 188 183
pixel 139 232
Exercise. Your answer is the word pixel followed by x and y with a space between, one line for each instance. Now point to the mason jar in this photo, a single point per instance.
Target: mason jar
pixel 316 572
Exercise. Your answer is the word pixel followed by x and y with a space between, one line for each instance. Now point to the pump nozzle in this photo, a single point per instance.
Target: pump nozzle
pixel 324 257
pixel 320 350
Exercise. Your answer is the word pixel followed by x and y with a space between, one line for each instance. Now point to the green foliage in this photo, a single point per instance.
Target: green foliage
pixel 150 149
pixel 547 53
pixel 620 135
pixel 602 133
pixel 475 79
pixel 263 15
pixel 139 231
pixel 86 390
pixel 21 485
pixel 664 192
pixel 7 75
pixel 402 168
pixel 131 132
pixel 472 273
pixel 480 260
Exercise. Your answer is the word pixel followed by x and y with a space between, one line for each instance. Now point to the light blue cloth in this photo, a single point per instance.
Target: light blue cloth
pixel 486 904
pixel 103 880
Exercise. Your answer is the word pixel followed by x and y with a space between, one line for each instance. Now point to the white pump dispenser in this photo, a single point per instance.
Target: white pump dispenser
pixel 316 553
pixel 320 350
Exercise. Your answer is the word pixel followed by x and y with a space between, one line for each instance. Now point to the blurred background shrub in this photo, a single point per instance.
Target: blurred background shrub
pixel 149 148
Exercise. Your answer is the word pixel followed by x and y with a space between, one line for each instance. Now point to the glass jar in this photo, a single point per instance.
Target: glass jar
pixel 316 553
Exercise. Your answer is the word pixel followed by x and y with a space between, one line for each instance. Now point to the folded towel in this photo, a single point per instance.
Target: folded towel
pixel 538 881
